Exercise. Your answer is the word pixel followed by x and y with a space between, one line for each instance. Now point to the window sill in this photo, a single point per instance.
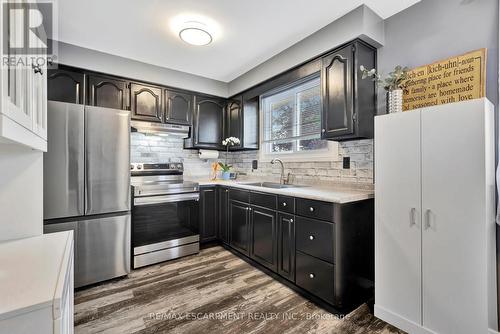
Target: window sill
pixel 332 154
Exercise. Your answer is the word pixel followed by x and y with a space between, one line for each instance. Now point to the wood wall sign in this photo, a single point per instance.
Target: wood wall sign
pixel 455 79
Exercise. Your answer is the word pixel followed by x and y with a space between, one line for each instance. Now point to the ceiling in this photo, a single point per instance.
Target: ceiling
pixel 246 32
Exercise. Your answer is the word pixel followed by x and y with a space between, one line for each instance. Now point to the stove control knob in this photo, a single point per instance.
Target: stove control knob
pixel 172 166
pixel 131 167
pixel 179 166
pixel 139 166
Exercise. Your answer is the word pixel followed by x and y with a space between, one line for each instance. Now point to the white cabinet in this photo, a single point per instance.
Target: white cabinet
pixel 36 284
pixel 435 227
pixel 23 90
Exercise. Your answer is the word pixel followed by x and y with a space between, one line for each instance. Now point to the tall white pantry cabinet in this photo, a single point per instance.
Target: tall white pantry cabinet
pixel 435 221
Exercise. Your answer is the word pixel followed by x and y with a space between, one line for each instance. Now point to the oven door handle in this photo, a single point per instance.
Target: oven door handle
pixel 138 201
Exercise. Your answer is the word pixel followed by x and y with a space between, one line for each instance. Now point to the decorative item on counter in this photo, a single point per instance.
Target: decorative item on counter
pixel 226 170
pixel 230 141
pixel 394 84
pixel 213 171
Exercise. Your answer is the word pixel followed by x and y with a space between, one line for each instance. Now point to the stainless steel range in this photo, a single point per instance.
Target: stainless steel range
pixel 164 213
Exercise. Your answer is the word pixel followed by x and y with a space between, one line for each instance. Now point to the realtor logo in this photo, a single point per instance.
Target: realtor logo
pixel 26 31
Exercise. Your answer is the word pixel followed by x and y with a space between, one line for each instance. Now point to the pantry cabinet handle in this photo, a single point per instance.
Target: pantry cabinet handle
pixel 284 203
pixel 311 237
pixel 412 217
pixel 427 224
pixel 311 209
pixel 311 275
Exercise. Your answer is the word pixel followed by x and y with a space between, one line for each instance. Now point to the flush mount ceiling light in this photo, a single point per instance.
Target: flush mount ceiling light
pixel 195 33
pixel 195 29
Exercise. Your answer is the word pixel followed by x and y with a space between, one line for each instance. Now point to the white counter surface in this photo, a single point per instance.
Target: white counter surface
pixel 335 194
pixel 30 272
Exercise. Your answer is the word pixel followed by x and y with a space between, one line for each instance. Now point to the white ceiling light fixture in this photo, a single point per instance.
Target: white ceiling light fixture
pixel 195 33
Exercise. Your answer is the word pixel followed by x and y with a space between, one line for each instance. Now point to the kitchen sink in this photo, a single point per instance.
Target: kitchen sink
pixel 274 185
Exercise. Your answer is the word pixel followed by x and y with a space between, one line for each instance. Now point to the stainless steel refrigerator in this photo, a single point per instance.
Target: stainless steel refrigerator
pixel 87 186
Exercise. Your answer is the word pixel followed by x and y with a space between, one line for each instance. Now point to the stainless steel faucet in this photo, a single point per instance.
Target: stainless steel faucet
pixel 283 180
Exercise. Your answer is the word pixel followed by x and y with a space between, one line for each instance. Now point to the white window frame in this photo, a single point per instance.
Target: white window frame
pixel 331 153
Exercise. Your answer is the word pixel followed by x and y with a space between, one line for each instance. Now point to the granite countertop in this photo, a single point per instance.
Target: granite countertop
pixel 333 193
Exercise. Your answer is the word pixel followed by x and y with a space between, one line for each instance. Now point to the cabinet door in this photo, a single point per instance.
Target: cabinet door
pixel 264 237
pixel 208 205
pixel 286 246
pixel 223 214
pixel 238 226
pixel 145 103
pixel 15 76
pixel 178 107
pixel 39 97
pixel 65 86
pixel 398 216
pixel 107 92
pixel 337 93
pixel 250 134
pixel 234 121
pixel 209 123
pixel 457 188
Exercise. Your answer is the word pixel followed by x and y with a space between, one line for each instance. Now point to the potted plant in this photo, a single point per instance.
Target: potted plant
pixel 226 168
pixel 394 84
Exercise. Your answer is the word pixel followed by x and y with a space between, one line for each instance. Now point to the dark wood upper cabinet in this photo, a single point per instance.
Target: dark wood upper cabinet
pixel 208 122
pixel 178 107
pixel 348 101
pixel 234 121
pixel 65 86
pixel 242 121
pixel 145 102
pixel 264 237
pixel 208 214
pixel 107 92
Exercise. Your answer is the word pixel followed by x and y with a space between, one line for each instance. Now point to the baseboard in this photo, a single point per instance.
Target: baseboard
pixel 492 331
pixel 398 321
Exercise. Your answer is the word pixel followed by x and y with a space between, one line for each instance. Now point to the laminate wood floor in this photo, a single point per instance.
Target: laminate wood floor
pixel 212 292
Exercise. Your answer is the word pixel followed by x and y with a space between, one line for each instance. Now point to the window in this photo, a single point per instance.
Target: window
pixel 291 121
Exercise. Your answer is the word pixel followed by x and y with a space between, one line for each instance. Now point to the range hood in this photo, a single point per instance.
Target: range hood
pixel 181 131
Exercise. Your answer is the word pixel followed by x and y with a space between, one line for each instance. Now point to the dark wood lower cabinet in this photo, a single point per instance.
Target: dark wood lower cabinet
pixel 223 211
pixel 286 246
pixel 208 214
pixel 324 250
pixel 264 237
pixel 239 226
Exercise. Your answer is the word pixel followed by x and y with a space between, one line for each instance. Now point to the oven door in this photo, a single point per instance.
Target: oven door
pixel 166 221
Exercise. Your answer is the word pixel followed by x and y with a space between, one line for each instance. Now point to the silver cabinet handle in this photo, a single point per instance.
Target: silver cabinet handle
pixel 311 237
pixel 311 275
pixel 412 217
pixel 427 223
pixel 311 209
pixel 291 220
pixel 247 208
pixel 284 203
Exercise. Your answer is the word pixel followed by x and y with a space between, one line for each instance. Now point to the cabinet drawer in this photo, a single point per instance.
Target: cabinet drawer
pixel 239 195
pixel 316 238
pixel 286 204
pixel 315 276
pixel 314 209
pixel 264 200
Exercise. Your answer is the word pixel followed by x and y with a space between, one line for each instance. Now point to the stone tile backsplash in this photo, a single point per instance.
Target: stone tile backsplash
pixel 153 149
pixel 361 171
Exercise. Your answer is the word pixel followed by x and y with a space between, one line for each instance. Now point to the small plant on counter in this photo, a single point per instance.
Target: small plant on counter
pixel 230 141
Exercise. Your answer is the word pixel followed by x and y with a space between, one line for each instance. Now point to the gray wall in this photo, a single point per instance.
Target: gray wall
pixel 73 55
pixel 361 22
pixel 433 30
